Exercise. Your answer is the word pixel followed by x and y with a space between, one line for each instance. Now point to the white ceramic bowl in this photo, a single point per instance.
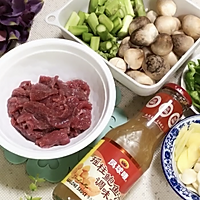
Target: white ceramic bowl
pixel 183 82
pixel 168 162
pixel 69 60
pixel 60 17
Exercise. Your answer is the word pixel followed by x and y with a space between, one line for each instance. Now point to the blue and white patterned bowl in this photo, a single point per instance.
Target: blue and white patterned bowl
pixel 168 162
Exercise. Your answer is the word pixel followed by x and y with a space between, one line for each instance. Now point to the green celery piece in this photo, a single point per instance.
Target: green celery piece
pixel 139 8
pixel 101 2
pixel 93 21
pixel 117 25
pixel 120 13
pixel 123 32
pixel 78 30
pixel 73 20
pixel 86 37
pixel 93 4
pixel 111 7
pixel 82 16
pixel 102 32
pixel 105 46
pixel 103 19
pixel 94 43
pixel 129 8
pixel 100 10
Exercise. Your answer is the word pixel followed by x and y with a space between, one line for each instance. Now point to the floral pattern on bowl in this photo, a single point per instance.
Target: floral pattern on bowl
pixel 167 157
pixel 55 170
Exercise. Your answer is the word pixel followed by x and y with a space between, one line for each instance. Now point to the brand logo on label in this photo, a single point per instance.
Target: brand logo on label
pixel 124 163
pixel 155 101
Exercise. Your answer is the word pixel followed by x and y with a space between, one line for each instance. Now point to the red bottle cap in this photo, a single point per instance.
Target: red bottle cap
pixel 180 90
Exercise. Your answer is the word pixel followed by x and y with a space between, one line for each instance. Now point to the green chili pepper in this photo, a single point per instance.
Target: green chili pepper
pixel 189 76
pixel 195 96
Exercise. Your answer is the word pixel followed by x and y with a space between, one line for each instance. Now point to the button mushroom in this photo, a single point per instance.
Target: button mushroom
pixel 137 23
pixel 124 45
pixel 119 63
pixel 167 24
pixel 140 77
pixel 145 35
pixel 171 58
pixel 181 43
pixel 191 26
pixel 152 15
pixel 163 45
pixel 155 66
pixel 166 7
pixel 134 58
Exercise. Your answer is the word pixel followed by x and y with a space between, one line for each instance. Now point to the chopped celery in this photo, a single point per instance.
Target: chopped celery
pixel 92 21
pixel 73 20
pixel 117 25
pixel 129 8
pixel 94 42
pixel 112 7
pixel 101 2
pixel 105 46
pixel 123 32
pixel 93 4
pixel 139 7
pixel 78 30
pixel 100 10
pixel 102 32
pixel 86 37
pixel 103 19
pixel 82 17
pixel 120 13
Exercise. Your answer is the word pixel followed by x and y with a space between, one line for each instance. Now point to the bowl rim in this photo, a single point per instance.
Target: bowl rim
pixel 168 166
pixel 109 107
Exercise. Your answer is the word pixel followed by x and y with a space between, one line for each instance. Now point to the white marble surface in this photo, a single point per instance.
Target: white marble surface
pixel 152 185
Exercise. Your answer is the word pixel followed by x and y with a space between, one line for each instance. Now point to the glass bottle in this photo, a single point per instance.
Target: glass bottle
pixel 110 169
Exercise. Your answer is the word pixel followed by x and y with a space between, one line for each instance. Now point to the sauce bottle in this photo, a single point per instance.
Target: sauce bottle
pixel 110 169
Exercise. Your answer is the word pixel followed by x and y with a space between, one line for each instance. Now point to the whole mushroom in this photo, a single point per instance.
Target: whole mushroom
pixel 163 44
pixel 137 23
pixel 155 66
pixel 124 45
pixel 167 24
pixel 145 35
pixel 191 26
pixel 181 43
pixel 166 7
pixel 171 58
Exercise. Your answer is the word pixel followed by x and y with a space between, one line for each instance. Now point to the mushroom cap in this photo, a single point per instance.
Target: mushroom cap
pixel 155 66
pixel 134 58
pixel 181 43
pixel 145 35
pixel 163 44
pixel 140 77
pixel 166 7
pixel 167 24
pixel 191 26
pixel 124 45
pixel 137 23
pixel 118 63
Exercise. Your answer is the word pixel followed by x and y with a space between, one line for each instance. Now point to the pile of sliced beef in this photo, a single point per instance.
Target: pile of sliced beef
pixel 51 111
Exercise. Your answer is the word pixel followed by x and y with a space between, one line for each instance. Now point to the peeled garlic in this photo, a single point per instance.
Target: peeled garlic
pixel 189 176
pixel 197 167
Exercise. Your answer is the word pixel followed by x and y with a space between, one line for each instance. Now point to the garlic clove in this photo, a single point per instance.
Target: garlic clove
pixel 189 176
pixel 197 167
